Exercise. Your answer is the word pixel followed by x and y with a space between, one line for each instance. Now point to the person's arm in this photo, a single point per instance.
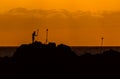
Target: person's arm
pixel 37 32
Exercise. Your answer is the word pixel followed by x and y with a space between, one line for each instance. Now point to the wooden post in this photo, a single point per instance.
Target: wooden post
pixel 46 36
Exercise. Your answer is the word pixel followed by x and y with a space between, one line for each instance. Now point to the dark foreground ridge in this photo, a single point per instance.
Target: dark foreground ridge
pixel 60 62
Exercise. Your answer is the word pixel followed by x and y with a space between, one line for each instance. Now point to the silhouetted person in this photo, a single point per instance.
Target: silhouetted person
pixel 33 36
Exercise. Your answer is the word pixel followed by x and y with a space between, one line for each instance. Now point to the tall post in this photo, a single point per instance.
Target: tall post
pixel 102 42
pixel 46 36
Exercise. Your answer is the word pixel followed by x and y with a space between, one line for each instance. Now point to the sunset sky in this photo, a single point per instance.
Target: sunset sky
pixel 16 29
pixel 92 5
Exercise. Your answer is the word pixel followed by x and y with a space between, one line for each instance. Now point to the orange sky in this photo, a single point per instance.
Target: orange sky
pixel 20 31
pixel 92 5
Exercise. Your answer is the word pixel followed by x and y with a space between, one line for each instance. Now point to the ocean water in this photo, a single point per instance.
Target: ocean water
pixel 7 51
pixel 79 50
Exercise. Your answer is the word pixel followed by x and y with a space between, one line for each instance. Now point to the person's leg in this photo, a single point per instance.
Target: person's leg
pixel 32 39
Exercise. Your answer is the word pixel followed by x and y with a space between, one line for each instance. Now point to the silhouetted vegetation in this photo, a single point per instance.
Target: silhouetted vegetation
pixel 51 60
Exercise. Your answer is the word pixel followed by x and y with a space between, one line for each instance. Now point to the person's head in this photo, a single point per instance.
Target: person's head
pixel 34 32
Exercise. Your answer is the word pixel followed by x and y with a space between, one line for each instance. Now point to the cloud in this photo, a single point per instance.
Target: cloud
pixel 21 21
pixel 22 18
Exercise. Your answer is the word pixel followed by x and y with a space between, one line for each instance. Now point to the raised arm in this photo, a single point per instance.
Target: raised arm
pixel 37 32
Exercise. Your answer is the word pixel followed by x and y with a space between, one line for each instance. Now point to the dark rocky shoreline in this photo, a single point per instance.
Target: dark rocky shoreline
pixel 51 60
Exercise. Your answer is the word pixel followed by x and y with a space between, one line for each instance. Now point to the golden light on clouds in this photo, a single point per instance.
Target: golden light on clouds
pixel 92 5
pixel 68 21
